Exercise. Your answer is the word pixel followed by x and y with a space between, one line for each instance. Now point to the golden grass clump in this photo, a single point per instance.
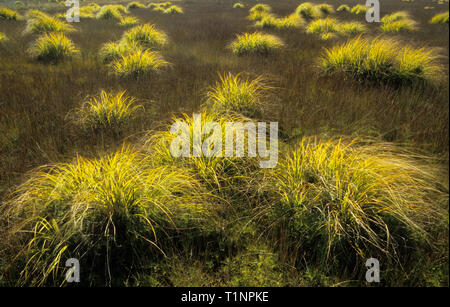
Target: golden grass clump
pixel 53 47
pixel 398 22
pixel 129 21
pixel 139 64
pixel 359 9
pixel 339 198
pixel 308 10
pixel 147 36
pixel 238 94
pixel 255 43
pixel 440 18
pixel 343 8
pixel 135 5
pixel 258 11
pixel 3 37
pixel 270 21
pixel 47 24
pixel 108 111
pixel 8 14
pixel 238 5
pixel 325 8
pixel 383 60
pixel 110 212
pixel 112 51
pixel 35 14
pixel 174 9
pixel 323 26
pixel 352 28
pixel 110 12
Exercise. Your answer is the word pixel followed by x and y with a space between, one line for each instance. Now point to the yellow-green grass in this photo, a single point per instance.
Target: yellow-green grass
pixel 352 28
pixel 129 21
pixel 325 8
pixel 139 64
pixel 323 26
pixel 238 5
pixel 112 51
pixel 383 60
pixel 337 198
pixel 270 21
pixel 402 25
pixel 8 14
pixel 255 43
pixel 47 24
pixel 238 94
pixel 108 111
pixel 3 37
pixel 35 14
pixel 111 213
pixel 53 47
pixel 440 18
pixel 174 9
pixel 87 11
pixel 109 12
pixel 308 10
pixel 259 11
pixel 147 36
pixel 359 9
pixel 152 5
pixel 395 17
pixel 135 5
pixel 343 8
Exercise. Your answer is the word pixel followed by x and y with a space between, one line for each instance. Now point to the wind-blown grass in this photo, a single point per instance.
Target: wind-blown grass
pixel 35 14
pixel 174 9
pixel 255 43
pixel 395 17
pixel 139 64
pixel 147 36
pixel 109 212
pixel 129 21
pixel 308 10
pixel 383 60
pixel 46 24
pixel 440 18
pixel 53 47
pixel 8 14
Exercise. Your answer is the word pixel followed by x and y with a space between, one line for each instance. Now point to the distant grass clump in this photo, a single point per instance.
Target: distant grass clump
pixel 440 18
pixel 395 17
pixel 359 9
pixel 35 14
pixel 110 212
pixel 139 64
pixel 269 21
pixel 174 9
pixel 129 21
pixel 308 10
pixel 109 12
pixel 135 5
pixel 47 24
pixel 115 50
pixel 325 8
pixel 8 14
pixel 338 198
pixel 255 43
pixel 259 11
pixel 147 36
pixel 323 26
pixel 53 47
pixel 398 22
pixel 238 5
pixel 3 37
pixel 343 8
pixel 383 60
pixel 111 111
pixel 352 28
pixel 238 94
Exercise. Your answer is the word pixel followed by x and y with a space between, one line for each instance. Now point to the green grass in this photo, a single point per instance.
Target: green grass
pixel 325 8
pixel 8 14
pixel 308 10
pixel 323 26
pixel 53 47
pixel 440 18
pixel 255 43
pixel 402 25
pixel 139 64
pixel 147 36
pixel 129 21
pixel 395 17
pixel 46 24
pixel 109 12
pixel 31 14
pixel 112 51
pixel 259 11
pixel 343 8
pixel 108 111
pixel 352 28
pixel 270 21
pixel 383 60
pixel 174 9
pixel 135 5
pixel 359 9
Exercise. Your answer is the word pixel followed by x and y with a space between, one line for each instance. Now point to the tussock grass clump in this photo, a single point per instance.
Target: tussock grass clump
pixel 53 47
pixel 3 37
pixel 87 11
pixel 238 5
pixel 383 60
pixel 174 9
pixel 323 26
pixel 402 25
pixel 139 64
pixel 269 21
pixel 112 111
pixel 255 43
pixel 325 8
pixel 359 9
pixel 395 17
pixel 8 14
pixel 440 18
pixel 343 8
pixel 341 198
pixel 308 10
pixel 352 28
pixel 147 36
pixel 47 24
pixel 259 11
pixel 135 5
pixel 152 5
pixel 129 21
pixel 238 94
pixel 115 50
pixel 109 12
pixel 35 14
pixel 109 212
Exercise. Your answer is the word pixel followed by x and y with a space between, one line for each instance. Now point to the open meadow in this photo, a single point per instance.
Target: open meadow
pixel 87 169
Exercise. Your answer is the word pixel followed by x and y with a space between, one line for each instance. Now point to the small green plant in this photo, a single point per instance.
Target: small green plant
pixel 383 60
pixel 53 47
pixel 129 21
pixel 308 10
pixel 343 8
pixel 135 5
pixel 112 111
pixel 359 9
pixel 174 9
pixel 139 64
pixel 147 36
pixel 8 14
pixel 440 18
pixel 46 24
pixel 238 5
pixel 255 43
pixel 325 8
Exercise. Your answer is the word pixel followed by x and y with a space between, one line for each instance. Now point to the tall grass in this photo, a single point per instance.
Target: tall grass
pixel 440 18
pixel 47 24
pixel 147 36
pixel 395 17
pixel 8 14
pixel 308 10
pixel 338 198
pixel 139 64
pixel 383 60
pixel 53 47
pixel 109 212
pixel 255 43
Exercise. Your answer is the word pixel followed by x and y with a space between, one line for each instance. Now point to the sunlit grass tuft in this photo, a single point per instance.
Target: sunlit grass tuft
pixel 139 64
pixel 402 25
pixel 352 28
pixel 343 8
pixel 308 10
pixel 135 5
pixel 323 26
pixel 129 21
pixel 44 24
pixel 270 21
pixel 53 47
pixel 8 14
pixel 255 43
pixel 395 17
pixel 3 37
pixel 174 9
pixel 359 9
pixel 147 36
pixel 115 50
pixel 325 8
pixel 259 11
pixel 109 12
pixel 440 18
pixel 238 5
